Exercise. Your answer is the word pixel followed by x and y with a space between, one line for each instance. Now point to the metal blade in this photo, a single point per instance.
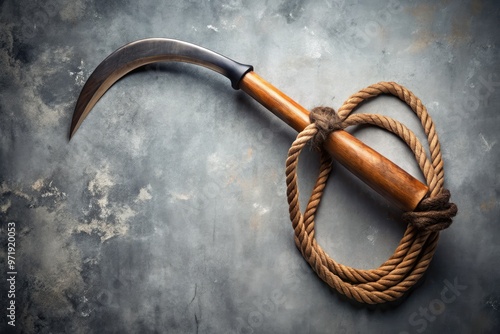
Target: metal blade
pixel 143 52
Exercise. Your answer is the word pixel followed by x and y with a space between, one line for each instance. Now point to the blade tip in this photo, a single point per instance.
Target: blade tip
pixel 72 131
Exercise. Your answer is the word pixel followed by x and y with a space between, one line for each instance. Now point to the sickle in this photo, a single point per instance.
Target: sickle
pixel 378 172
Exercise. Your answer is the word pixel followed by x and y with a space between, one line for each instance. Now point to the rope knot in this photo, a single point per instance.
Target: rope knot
pixel 433 213
pixel 327 121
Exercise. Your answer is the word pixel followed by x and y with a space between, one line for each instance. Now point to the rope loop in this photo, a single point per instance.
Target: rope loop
pixel 414 253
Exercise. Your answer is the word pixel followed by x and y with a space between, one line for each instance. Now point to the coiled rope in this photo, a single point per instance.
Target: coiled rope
pixel 416 249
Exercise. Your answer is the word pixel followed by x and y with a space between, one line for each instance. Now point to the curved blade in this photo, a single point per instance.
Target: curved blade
pixel 143 52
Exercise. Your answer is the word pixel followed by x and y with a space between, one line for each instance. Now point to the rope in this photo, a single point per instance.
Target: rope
pixel 416 249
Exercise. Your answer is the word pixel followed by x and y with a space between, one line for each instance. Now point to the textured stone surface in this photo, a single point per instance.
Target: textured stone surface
pixel 167 211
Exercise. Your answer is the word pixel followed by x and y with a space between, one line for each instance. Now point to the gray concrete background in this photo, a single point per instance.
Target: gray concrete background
pixel 167 212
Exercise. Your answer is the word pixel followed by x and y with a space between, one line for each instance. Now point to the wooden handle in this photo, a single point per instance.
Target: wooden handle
pixel 381 174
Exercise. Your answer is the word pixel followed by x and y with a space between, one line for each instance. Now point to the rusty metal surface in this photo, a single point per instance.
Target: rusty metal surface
pixel 167 211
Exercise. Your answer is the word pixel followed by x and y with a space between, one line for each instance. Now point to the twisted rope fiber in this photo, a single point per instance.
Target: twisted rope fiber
pixel 416 249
